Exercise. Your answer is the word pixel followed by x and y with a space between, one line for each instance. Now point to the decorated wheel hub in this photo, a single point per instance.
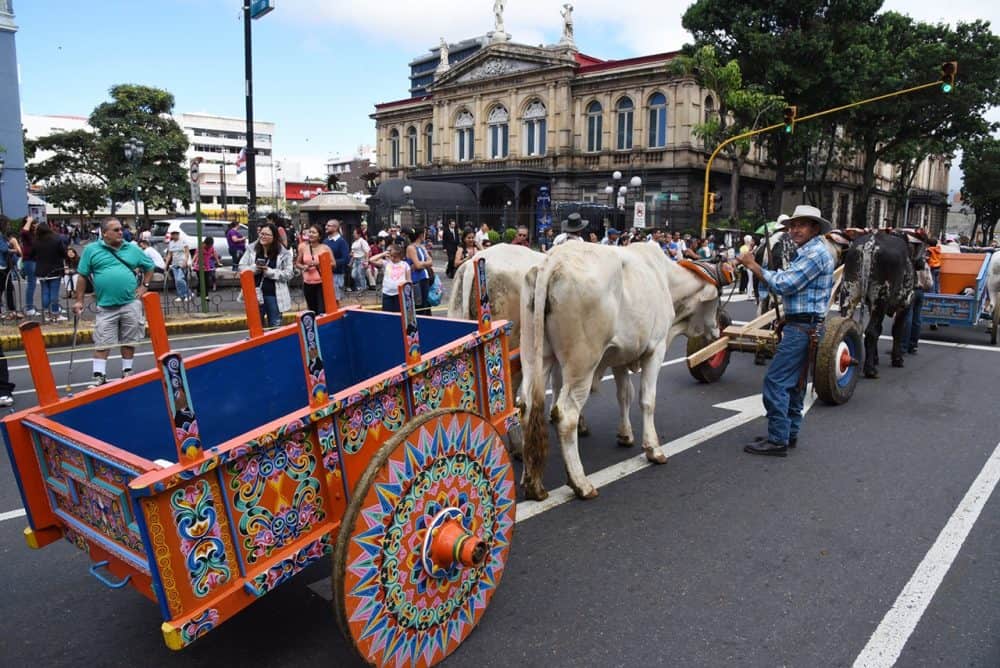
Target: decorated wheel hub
pixel 844 360
pixel 430 541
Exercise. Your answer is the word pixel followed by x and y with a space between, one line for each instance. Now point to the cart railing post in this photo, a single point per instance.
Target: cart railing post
pixel 156 325
pixel 482 296
pixel 180 408
pixel 312 359
pixel 411 332
pixel 329 289
pixel 38 363
pixel 248 285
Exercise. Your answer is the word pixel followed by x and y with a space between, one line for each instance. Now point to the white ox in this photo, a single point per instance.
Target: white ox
pixel 993 284
pixel 589 307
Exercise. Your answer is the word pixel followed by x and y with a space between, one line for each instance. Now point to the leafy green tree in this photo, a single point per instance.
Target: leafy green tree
pixel 740 110
pixel 74 177
pixel 143 112
pixel 981 188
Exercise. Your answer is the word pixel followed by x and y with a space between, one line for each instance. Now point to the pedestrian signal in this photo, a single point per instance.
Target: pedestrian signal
pixel 948 72
pixel 713 199
pixel 790 113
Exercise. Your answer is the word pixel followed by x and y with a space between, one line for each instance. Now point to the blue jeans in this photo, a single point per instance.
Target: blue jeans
pixel 269 312
pixel 29 292
pixel 50 295
pixel 911 330
pixel 359 275
pixel 936 279
pixel 338 284
pixel 782 396
pixel 180 282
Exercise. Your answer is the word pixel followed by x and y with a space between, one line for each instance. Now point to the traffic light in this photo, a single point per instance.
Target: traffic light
pixel 790 113
pixel 948 72
pixel 712 200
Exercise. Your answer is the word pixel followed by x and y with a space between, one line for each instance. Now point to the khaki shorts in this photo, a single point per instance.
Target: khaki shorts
pixel 119 325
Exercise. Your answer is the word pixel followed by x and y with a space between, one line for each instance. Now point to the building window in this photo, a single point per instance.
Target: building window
pixel 709 108
pixel 534 129
pixel 428 143
pixel 625 109
pixel 657 121
pixel 595 122
pixel 464 137
pixel 394 149
pixel 499 131
pixel 411 146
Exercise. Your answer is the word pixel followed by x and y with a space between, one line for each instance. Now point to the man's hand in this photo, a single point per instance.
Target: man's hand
pixel 78 306
pixel 747 260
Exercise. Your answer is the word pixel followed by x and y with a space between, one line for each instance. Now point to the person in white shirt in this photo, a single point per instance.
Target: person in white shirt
pixel 482 235
pixel 359 258
pixel 396 272
pixel 158 262
pixel 178 259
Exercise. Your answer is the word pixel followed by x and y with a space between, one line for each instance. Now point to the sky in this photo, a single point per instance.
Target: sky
pixel 320 66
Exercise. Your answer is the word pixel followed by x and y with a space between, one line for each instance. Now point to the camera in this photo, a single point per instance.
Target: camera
pixel 261 262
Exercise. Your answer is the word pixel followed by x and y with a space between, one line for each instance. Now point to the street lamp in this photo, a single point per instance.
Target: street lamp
pixel 635 182
pixel 134 148
pixel 407 215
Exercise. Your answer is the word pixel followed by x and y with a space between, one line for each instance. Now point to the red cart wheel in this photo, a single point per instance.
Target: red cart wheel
pixel 711 369
pixel 425 540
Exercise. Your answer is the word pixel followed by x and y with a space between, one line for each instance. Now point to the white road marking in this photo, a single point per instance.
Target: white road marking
pixel 21 367
pixel 12 514
pixel 891 636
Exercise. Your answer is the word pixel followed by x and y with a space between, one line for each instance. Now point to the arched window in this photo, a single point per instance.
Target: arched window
pixel 657 121
pixel 534 129
pixel 464 136
pixel 411 146
pixel 498 123
pixel 709 108
pixel 595 122
pixel 394 149
pixel 624 111
pixel 428 143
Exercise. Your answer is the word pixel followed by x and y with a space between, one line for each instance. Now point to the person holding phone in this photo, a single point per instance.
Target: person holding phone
pixel 271 264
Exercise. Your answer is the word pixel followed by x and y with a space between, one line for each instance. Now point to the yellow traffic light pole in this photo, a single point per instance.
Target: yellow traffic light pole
pixel 826 112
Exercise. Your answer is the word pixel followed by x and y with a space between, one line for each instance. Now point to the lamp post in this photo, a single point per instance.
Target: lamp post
pixel 610 191
pixel 406 213
pixel 1 185
pixel 134 148
pixel 635 183
pixel 506 208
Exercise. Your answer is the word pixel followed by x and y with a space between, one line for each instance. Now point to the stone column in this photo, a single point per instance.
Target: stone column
pixel 13 189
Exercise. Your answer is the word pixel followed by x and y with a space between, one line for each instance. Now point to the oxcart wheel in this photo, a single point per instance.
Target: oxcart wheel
pixel 839 360
pixel 425 540
pixel 711 369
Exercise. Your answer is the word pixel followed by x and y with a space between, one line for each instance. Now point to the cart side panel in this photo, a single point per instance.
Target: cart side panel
pixel 496 379
pixel 451 383
pixel 952 309
pixel 367 422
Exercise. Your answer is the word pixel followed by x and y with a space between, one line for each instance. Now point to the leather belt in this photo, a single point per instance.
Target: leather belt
pixel 808 318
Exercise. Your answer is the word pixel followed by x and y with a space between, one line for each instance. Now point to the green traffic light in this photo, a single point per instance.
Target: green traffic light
pixel 788 129
pixel 946 87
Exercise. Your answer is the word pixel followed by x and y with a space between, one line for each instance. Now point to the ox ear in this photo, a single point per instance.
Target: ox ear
pixel 853 233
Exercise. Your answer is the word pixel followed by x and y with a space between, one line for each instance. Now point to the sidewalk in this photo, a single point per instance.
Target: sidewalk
pixel 225 313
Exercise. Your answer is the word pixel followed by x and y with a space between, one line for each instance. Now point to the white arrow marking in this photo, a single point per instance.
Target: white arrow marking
pixel 747 409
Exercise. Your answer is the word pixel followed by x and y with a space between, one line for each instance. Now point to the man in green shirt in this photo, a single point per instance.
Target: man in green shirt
pixel 111 264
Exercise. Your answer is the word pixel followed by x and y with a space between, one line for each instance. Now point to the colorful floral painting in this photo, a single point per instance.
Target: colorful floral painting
pixel 196 519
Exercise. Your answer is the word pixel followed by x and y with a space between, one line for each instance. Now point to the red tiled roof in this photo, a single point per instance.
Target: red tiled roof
pixel 584 59
pixel 400 103
pixel 614 64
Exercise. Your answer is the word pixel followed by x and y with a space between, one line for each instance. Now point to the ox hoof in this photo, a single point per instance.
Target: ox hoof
pixel 583 430
pixel 585 494
pixel 898 363
pixel 625 442
pixel 656 457
pixel 871 373
pixel 535 493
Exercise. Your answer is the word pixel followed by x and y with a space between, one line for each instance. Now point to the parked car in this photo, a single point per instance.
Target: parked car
pixel 188 228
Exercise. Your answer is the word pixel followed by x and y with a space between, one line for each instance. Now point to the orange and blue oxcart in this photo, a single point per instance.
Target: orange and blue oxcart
pixel 205 483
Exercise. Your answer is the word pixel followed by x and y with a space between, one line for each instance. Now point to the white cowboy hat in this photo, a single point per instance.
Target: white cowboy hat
pixel 806 212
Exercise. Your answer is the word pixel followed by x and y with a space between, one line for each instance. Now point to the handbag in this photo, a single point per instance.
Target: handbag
pixel 436 293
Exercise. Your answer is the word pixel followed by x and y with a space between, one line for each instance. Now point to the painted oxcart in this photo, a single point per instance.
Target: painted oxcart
pixel 209 481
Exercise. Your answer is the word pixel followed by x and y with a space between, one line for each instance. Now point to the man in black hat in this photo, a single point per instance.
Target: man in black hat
pixel 572 226
pixel 805 288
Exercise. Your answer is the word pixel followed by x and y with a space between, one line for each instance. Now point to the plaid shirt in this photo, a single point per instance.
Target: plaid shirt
pixel 806 284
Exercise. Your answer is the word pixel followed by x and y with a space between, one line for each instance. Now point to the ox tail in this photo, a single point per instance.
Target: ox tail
pixel 536 434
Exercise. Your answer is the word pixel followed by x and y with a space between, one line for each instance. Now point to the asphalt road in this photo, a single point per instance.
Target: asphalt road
pixel 717 558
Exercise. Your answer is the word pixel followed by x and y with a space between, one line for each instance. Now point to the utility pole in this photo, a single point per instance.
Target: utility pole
pixel 251 154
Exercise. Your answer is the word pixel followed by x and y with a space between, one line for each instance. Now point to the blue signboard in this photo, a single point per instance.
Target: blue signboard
pixel 543 211
pixel 259 8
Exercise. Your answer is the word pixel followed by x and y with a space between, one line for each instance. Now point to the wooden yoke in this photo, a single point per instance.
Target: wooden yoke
pixel 329 288
pixel 155 324
pixel 180 409
pixel 312 359
pixel 249 287
pixel 482 296
pixel 38 363
pixel 411 332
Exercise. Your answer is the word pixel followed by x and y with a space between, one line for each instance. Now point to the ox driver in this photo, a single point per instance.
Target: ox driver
pixel 805 288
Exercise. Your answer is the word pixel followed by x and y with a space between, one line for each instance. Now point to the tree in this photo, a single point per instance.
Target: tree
pixel 143 112
pixel 981 188
pixel 741 109
pixel 74 177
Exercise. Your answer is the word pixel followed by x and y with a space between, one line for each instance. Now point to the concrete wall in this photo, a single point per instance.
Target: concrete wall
pixel 14 187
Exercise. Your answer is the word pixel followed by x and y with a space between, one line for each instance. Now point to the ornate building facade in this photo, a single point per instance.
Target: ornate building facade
pixel 511 118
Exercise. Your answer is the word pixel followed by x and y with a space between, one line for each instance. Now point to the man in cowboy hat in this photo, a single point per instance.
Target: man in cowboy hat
pixel 805 287
pixel 571 228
